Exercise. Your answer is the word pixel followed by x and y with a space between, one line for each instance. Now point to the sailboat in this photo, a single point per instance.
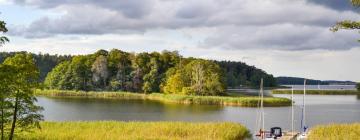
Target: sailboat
pixel 275 132
pixel 303 134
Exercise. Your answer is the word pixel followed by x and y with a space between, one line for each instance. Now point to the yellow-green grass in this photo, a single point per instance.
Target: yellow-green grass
pixel 318 92
pixel 113 130
pixel 335 132
pixel 249 101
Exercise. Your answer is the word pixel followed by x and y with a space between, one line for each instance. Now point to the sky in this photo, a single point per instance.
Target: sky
pixel 282 37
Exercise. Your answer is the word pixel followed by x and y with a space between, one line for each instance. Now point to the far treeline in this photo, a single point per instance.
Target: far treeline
pixel 300 81
pixel 166 72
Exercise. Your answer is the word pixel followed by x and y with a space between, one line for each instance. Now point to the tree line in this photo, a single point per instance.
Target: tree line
pixel 45 62
pixel 145 72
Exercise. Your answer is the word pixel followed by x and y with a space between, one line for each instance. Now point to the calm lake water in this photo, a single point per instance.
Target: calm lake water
pixel 320 109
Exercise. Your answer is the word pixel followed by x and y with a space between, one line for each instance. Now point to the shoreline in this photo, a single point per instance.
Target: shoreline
pixel 247 101
pixel 318 92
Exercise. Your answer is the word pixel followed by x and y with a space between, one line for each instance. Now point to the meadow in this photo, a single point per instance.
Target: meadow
pixel 247 101
pixel 335 132
pixel 318 92
pixel 112 130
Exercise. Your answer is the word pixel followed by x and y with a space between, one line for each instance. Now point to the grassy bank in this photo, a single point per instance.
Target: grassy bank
pixel 336 132
pixel 112 130
pixel 318 92
pixel 184 99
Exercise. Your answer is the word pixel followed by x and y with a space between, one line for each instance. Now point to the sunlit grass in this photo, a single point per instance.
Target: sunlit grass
pixel 112 130
pixel 248 101
pixel 318 92
pixel 335 132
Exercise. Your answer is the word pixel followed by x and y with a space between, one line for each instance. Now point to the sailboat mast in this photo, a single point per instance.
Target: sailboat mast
pixel 262 103
pixel 303 119
pixel 292 109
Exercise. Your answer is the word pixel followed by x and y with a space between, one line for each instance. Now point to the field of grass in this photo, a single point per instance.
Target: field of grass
pixel 249 101
pixel 335 132
pixel 112 130
pixel 318 92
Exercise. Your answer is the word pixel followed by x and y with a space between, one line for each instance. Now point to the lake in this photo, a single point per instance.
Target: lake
pixel 320 109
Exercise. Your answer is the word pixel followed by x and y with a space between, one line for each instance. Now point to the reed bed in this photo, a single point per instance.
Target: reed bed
pixel 318 92
pixel 113 130
pixel 335 132
pixel 248 101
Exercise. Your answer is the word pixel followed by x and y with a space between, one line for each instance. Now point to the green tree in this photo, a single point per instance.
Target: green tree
pixel 6 86
pixel 198 77
pixel 348 24
pixel 54 78
pixel 3 29
pixel 358 86
pixel 24 111
pixel 100 71
pixel 120 70
pixel 152 79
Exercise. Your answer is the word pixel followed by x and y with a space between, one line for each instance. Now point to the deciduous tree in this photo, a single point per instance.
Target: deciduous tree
pixel 25 80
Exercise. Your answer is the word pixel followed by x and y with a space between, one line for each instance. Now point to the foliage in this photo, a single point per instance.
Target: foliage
pixel 335 132
pixel 198 77
pixel 18 95
pixel 239 74
pixel 3 29
pixel 138 130
pixel 44 62
pixel 318 92
pixel 348 24
pixel 100 72
pixel 246 101
pixel 358 86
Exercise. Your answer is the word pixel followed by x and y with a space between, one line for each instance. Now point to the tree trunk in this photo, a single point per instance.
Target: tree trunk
pixel 14 119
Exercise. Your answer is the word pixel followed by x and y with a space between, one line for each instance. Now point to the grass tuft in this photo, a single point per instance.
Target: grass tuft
pixel 113 130
pixel 335 132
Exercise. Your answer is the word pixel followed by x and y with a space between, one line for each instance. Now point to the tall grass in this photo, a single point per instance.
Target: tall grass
pixel 249 101
pixel 335 132
pixel 112 130
pixel 318 92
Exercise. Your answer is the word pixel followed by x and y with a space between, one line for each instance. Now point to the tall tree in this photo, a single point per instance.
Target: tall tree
pixel 7 74
pixel 100 70
pixel 3 29
pixel 348 24
pixel 198 77
pixel 120 69
pixel 25 112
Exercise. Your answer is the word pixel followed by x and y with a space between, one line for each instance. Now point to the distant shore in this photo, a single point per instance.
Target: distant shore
pixel 245 101
pixel 318 92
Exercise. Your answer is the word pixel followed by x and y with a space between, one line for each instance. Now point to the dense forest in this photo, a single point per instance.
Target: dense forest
pixel 166 72
pixel 44 62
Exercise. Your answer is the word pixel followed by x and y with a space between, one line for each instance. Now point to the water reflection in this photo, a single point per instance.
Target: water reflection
pixel 321 109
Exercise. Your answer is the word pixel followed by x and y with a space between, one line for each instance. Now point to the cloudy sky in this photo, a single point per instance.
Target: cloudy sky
pixel 283 37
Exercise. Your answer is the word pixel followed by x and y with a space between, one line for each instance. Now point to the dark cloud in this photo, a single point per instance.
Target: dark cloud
pixel 239 24
pixel 130 8
pixel 341 5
